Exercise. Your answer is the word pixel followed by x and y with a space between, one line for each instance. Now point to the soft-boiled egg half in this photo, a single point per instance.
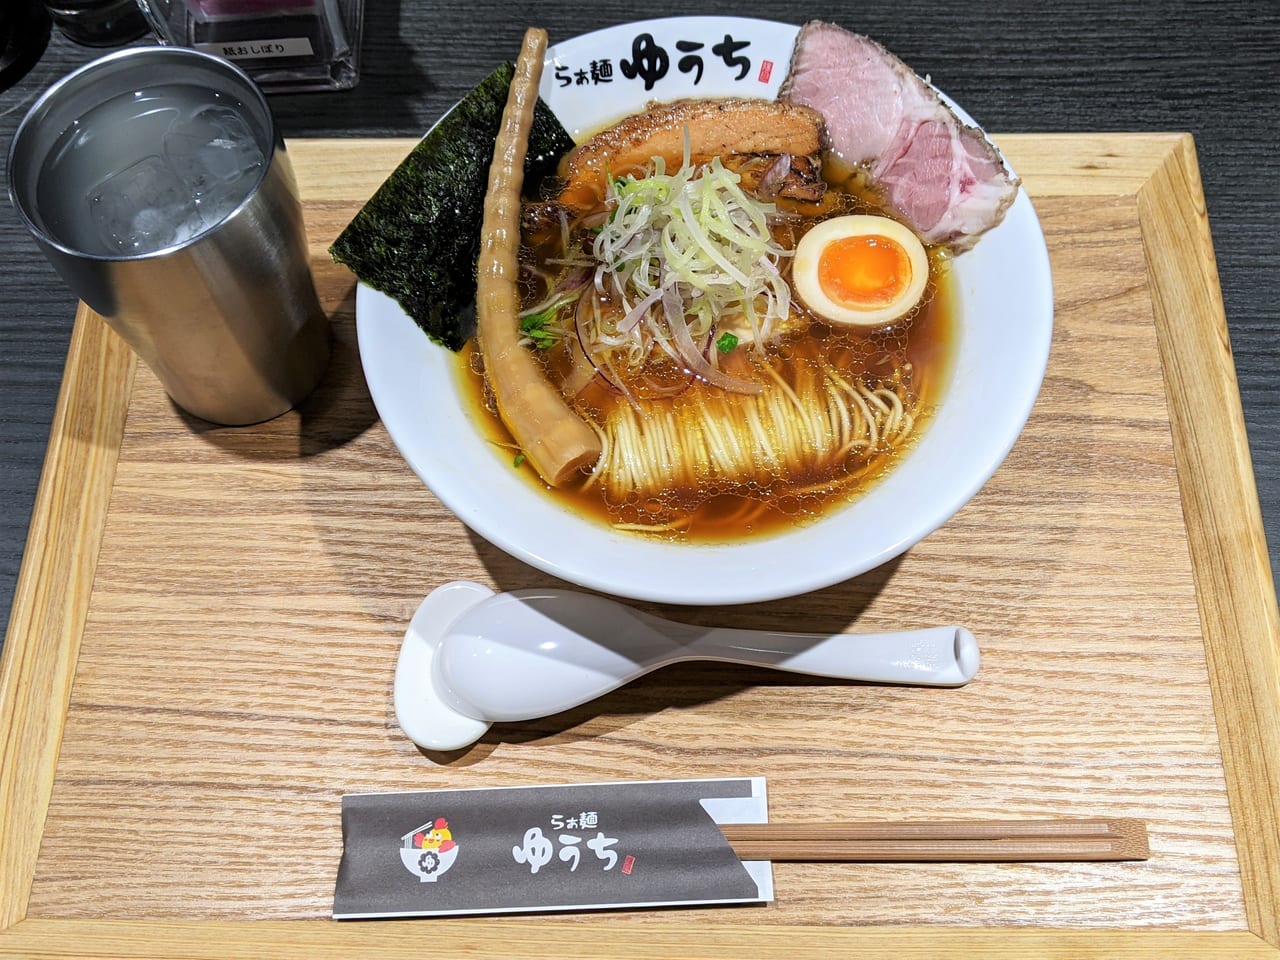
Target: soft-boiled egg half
pixel 860 270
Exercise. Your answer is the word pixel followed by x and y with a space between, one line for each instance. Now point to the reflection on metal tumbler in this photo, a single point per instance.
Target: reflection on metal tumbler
pixel 156 183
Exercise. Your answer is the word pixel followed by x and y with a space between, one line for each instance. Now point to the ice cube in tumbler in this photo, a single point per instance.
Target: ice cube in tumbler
pixel 212 150
pixel 144 208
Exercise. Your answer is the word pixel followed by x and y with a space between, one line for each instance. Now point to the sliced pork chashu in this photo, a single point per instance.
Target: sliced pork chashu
pixel 943 176
pixel 717 128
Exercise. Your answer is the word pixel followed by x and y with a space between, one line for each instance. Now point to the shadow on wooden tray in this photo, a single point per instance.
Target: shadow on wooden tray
pixel 674 688
pixel 337 411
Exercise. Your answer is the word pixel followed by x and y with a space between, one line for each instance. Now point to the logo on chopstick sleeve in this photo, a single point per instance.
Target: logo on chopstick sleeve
pixel 591 846
pixel 429 851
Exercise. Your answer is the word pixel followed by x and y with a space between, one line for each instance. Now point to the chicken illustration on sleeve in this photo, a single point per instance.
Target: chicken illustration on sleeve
pixel 437 838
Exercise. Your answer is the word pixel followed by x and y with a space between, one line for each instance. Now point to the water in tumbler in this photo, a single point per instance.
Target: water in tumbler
pixel 149 169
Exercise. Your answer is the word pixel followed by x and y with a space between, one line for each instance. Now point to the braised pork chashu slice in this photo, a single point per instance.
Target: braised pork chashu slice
pixel 717 128
pixel 942 175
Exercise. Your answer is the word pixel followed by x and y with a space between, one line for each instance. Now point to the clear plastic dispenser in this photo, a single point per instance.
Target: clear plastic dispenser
pixel 284 45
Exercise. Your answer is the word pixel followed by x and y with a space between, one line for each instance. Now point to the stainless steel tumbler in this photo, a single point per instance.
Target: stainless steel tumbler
pixel 156 183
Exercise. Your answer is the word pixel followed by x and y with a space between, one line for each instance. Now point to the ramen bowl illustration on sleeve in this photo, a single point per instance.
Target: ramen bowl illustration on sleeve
pixel 429 851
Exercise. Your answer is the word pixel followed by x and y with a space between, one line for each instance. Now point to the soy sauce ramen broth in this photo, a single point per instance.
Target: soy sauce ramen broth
pixel 918 350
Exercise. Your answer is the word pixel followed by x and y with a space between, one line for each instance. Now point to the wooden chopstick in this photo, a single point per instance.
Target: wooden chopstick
pixel 942 841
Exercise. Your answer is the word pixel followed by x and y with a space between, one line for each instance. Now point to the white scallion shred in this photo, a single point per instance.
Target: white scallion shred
pixel 694 232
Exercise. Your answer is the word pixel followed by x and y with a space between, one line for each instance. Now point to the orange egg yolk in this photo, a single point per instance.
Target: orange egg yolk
pixel 864 271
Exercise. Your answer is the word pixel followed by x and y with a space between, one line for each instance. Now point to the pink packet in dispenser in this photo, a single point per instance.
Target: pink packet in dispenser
pixel 208 9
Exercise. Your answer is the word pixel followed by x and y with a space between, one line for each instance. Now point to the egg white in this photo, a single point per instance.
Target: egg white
pixel 808 252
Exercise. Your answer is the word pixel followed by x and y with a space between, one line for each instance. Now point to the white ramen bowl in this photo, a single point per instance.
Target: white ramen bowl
pixel 1005 295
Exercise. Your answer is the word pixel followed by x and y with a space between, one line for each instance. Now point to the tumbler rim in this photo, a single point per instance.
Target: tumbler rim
pixel 144 59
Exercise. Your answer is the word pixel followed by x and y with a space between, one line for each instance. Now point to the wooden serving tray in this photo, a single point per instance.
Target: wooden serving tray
pixel 200 655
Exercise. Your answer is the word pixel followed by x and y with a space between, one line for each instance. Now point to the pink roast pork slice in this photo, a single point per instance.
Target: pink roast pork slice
pixel 943 176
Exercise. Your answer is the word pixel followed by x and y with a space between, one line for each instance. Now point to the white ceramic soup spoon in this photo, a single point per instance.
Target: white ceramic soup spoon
pixel 471 658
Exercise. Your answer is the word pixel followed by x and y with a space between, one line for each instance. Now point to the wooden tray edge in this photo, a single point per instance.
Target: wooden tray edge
pixel 1237 599
pixel 1234 585
pixel 55 581
pixel 564 937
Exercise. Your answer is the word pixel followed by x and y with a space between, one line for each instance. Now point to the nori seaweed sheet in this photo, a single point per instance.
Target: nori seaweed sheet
pixel 418 237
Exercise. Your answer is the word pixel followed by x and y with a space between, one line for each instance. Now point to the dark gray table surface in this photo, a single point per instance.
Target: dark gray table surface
pixel 1210 68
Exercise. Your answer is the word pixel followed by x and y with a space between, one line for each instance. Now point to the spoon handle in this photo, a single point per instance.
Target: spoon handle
pixel 606 637
pixel 936 656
